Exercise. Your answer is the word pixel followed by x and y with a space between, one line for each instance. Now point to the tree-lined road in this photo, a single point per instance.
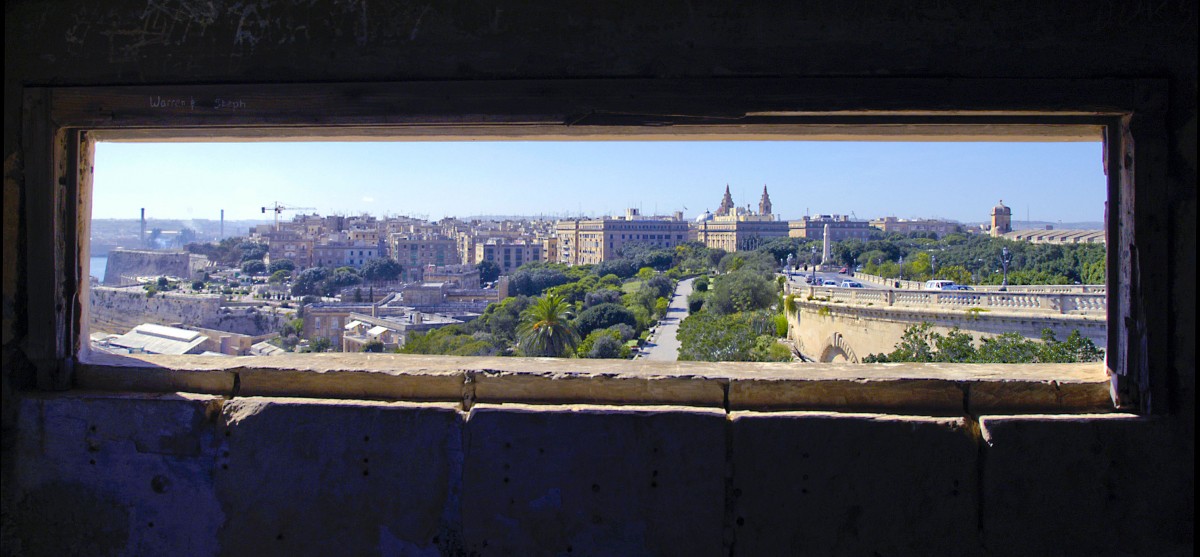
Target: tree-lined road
pixel 663 345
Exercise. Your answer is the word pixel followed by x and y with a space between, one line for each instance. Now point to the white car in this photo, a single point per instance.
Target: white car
pixel 851 284
pixel 828 282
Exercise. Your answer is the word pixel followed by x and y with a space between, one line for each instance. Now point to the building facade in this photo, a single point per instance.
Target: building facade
pixel 508 254
pixel 1051 236
pixel 734 228
pixel 415 251
pixel 841 227
pixel 590 241
pixel 906 226
pixel 1001 220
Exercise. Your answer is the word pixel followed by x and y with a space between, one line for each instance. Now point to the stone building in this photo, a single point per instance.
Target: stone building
pixel 841 227
pixel 508 254
pixel 734 228
pixel 344 254
pixel 457 276
pixel 937 227
pixel 1001 220
pixel 289 244
pixel 415 251
pixel 1052 236
pixel 590 241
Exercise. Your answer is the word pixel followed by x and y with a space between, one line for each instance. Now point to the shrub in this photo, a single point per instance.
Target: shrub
pixel 766 349
pixel 781 326
pixel 741 291
pixel 603 316
pixel 608 346
pixel 373 345
pixel 602 296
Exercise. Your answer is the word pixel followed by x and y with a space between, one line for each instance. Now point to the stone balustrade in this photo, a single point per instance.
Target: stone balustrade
pixel 1042 288
pixel 1078 303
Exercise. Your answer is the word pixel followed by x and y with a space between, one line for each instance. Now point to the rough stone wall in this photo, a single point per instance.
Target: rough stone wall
pixel 116 310
pixel 201 475
pixel 124 266
pixel 1049 485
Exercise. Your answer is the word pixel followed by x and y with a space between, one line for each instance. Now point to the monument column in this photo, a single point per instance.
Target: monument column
pixel 825 251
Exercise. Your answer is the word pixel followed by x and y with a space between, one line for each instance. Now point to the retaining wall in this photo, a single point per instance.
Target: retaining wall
pixel 116 310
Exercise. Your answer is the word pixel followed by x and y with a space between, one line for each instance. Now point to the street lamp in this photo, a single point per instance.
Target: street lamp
pixel 933 266
pixel 1005 258
pixel 813 259
pixel 901 267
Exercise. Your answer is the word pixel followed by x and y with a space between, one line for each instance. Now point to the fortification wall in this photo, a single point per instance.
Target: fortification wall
pixel 124 266
pixel 815 325
pixel 116 310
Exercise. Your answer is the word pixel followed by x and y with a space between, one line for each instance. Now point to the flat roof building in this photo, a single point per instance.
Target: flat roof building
pixel 590 241
pixel 841 227
pixel 907 226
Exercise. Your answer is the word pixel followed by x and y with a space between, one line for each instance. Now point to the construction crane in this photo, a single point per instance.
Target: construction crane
pixel 277 208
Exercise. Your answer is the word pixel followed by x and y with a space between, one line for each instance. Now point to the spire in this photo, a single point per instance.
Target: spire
pixel 726 203
pixel 764 204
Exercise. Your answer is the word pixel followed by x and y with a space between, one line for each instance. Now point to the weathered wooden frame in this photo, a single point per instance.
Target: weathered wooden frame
pixel 60 125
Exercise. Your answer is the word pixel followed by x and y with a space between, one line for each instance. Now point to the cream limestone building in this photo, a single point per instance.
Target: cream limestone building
pixel 734 228
pixel 590 241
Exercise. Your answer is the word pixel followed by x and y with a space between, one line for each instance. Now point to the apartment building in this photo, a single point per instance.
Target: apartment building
pixel 590 241
pixel 508 254
pixel 841 227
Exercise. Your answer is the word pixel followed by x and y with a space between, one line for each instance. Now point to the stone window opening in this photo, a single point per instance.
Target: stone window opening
pixel 60 149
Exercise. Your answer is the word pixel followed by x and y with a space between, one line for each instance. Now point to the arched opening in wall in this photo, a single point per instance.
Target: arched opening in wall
pixel 836 350
pixel 506 115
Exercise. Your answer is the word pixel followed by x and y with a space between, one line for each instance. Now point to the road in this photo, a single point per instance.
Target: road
pixel 837 277
pixel 663 344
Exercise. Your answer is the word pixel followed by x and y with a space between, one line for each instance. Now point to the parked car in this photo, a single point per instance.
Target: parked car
pixel 843 270
pixel 851 284
pixel 829 282
pixel 938 284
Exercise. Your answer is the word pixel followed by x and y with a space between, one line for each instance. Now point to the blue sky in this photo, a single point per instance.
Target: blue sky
pixel 962 181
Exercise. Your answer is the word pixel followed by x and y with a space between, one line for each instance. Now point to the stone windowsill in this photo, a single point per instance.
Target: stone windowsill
pixel 930 389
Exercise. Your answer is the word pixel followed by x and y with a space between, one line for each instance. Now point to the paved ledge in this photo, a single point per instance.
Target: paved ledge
pixel 934 389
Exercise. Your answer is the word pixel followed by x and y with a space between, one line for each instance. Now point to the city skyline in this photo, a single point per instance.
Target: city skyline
pixel 1052 182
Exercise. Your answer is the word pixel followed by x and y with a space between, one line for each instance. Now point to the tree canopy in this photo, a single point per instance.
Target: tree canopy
pixel 741 290
pixel 545 328
pixel 920 343
pixel 603 316
pixel 381 269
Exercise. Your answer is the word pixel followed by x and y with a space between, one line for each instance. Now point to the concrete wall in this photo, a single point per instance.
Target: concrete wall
pixel 158 474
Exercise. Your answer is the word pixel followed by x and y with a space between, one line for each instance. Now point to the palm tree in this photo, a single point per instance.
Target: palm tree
pixel 545 330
